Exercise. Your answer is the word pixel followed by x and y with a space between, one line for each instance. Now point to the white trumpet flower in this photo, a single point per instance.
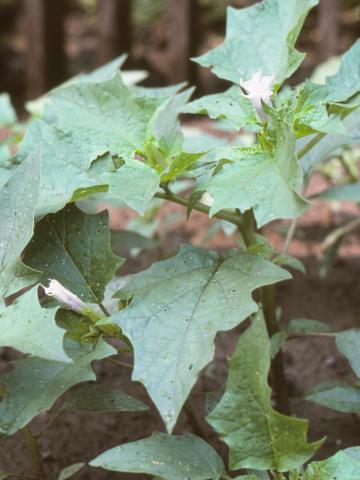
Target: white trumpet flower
pixel 65 296
pixel 258 89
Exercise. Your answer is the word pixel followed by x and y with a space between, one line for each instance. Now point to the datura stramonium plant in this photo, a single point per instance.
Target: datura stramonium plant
pixel 98 140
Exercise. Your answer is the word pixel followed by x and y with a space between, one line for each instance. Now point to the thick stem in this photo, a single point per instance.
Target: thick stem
pixel 277 367
pixel 269 309
pixel 33 446
pixel 200 207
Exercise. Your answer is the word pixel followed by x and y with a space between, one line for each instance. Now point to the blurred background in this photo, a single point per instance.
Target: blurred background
pixel 44 42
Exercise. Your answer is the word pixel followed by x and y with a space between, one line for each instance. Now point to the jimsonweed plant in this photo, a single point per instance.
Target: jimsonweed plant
pixel 99 139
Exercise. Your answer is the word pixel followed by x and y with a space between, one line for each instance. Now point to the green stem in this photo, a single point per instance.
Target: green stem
pixel 200 207
pixel 33 446
pixel 306 148
pixel 267 295
pixel 277 368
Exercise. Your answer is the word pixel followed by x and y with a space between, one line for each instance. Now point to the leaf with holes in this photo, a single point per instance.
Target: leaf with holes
pixel 178 307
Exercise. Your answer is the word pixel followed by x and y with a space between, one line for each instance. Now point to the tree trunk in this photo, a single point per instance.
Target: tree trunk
pixel 182 40
pixel 114 29
pixel 45 53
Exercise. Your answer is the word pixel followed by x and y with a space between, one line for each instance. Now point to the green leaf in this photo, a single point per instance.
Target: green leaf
pixel 260 181
pixel 165 125
pixel 134 184
pixel 230 105
pixel 258 436
pixel 178 307
pixel 260 38
pixel 35 383
pixel 276 342
pixel 348 192
pixel 71 470
pixel 330 143
pixel 336 395
pixel 344 465
pixel 4 475
pixel 7 111
pixel 98 397
pixel 65 166
pixel 346 82
pixel 303 325
pixel 74 248
pixel 169 457
pixel 32 329
pixel 18 198
pixel 289 261
pixel 348 343
pixel 312 112
pixel 107 116
pixel 39 106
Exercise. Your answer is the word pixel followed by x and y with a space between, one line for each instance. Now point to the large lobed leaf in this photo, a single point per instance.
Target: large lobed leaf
pixel 260 38
pixel 74 248
pixel 167 457
pixel 178 307
pixel 106 116
pixel 258 436
pixel 264 181
pixel 230 105
pixel 65 165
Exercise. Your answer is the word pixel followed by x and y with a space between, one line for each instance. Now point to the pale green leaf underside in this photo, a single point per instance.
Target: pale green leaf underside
pixel 256 181
pixel 98 397
pixel 31 329
pixel 35 383
pixel 167 457
pixel 258 436
pixel 18 198
pixel 74 248
pixel 338 396
pixel 260 38
pixel 230 105
pixel 344 465
pixel 179 305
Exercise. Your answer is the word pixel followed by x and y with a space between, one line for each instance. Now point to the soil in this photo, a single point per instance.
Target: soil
pixel 333 299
